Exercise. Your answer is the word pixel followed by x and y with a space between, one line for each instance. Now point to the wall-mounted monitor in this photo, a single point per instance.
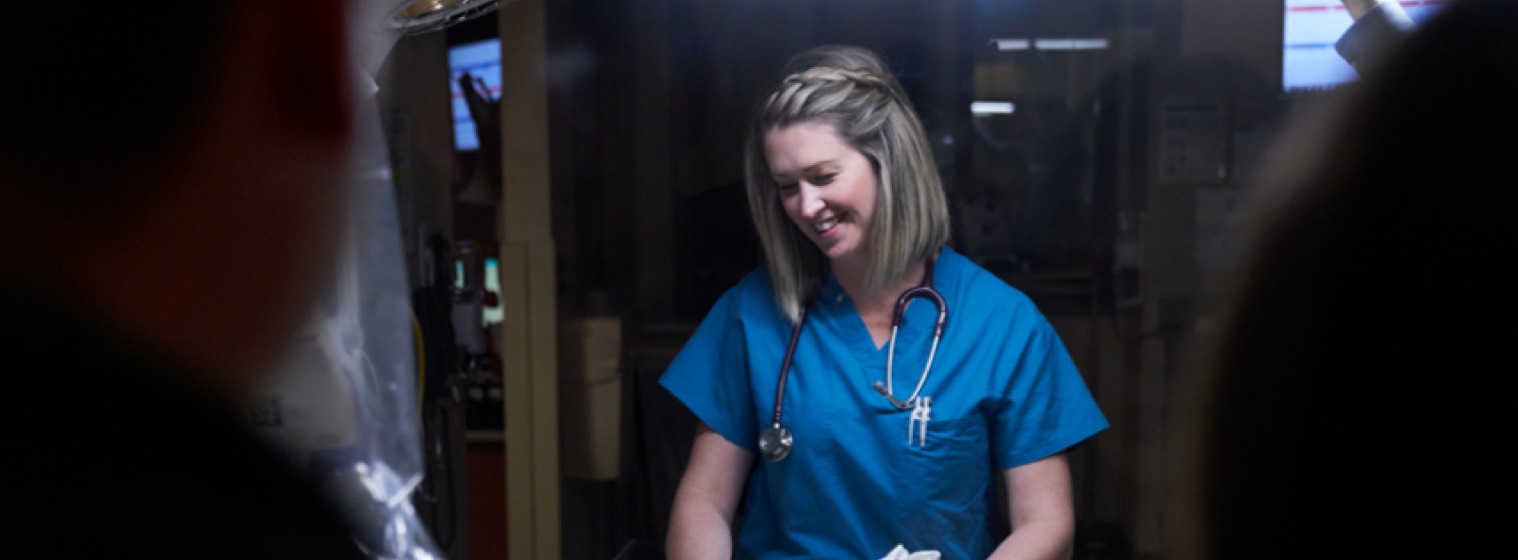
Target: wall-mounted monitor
pixel 1309 61
pixel 481 60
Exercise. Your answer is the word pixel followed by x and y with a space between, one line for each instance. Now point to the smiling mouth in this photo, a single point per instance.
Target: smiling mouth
pixel 825 225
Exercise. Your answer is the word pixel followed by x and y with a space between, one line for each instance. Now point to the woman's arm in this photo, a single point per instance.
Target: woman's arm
pixel 1041 509
pixel 701 520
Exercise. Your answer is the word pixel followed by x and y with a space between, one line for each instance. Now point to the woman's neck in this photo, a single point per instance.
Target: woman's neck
pixel 853 276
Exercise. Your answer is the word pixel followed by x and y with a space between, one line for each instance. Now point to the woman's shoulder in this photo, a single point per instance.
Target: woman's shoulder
pixel 991 305
pixel 754 286
pixel 974 283
pixel 750 296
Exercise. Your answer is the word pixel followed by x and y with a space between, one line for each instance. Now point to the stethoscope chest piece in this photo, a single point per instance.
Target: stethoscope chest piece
pixel 775 443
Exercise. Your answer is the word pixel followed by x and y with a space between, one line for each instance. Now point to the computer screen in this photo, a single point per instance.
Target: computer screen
pixel 482 61
pixel 1309 61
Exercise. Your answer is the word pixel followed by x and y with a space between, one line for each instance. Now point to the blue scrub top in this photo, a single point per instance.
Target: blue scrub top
pixel 1005 393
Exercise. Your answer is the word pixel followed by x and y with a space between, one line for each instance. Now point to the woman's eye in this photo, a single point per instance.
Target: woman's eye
pixel 786 188
pixel 824 179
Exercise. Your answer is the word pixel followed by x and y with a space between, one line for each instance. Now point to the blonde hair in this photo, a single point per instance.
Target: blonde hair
pixel 850 89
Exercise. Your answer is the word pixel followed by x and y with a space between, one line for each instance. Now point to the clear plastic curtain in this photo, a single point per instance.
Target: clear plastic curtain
pixel 344 404
pixel 347 395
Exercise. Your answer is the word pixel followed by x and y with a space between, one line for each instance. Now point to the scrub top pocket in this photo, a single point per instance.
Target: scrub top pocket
pixel 945 481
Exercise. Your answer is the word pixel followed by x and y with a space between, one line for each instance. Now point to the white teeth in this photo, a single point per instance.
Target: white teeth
pixel 825 225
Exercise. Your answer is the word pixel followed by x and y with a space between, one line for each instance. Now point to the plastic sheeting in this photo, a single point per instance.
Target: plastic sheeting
pixel 345 404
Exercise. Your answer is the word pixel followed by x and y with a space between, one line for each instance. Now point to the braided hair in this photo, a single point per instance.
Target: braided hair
pixel 850 89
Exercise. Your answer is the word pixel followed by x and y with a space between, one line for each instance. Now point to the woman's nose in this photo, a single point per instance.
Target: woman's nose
pixel 811 200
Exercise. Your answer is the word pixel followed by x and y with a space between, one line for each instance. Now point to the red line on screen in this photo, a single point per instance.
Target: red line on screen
pixel 1340 7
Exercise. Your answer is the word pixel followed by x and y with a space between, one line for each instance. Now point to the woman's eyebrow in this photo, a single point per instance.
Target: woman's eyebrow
pixel 778 177
pixel 815 166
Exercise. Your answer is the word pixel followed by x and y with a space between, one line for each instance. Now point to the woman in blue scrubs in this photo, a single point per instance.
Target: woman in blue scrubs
pixel 851 214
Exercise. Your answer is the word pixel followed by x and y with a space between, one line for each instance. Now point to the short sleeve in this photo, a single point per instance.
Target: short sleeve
pixel 1045 407
pixel 710 375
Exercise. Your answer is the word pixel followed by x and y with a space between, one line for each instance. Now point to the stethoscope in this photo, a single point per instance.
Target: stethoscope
pixel 775 442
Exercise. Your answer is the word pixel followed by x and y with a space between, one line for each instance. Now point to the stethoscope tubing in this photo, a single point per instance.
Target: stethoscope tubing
pixel 785 365
pixel 924 290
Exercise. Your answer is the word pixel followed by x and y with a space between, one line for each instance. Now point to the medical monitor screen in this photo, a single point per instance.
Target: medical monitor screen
pixel 481 61
pixel 1309 61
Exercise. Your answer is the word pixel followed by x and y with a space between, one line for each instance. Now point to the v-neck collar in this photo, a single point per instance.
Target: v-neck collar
pixel 839 308
pixel 846 321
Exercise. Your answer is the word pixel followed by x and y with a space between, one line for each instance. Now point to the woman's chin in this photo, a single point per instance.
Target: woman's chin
pixel 839 253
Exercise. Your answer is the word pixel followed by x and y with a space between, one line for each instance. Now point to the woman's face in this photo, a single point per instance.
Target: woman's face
pixel 826 186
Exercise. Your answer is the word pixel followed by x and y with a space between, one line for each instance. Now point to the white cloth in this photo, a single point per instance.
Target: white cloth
pixel 900 553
